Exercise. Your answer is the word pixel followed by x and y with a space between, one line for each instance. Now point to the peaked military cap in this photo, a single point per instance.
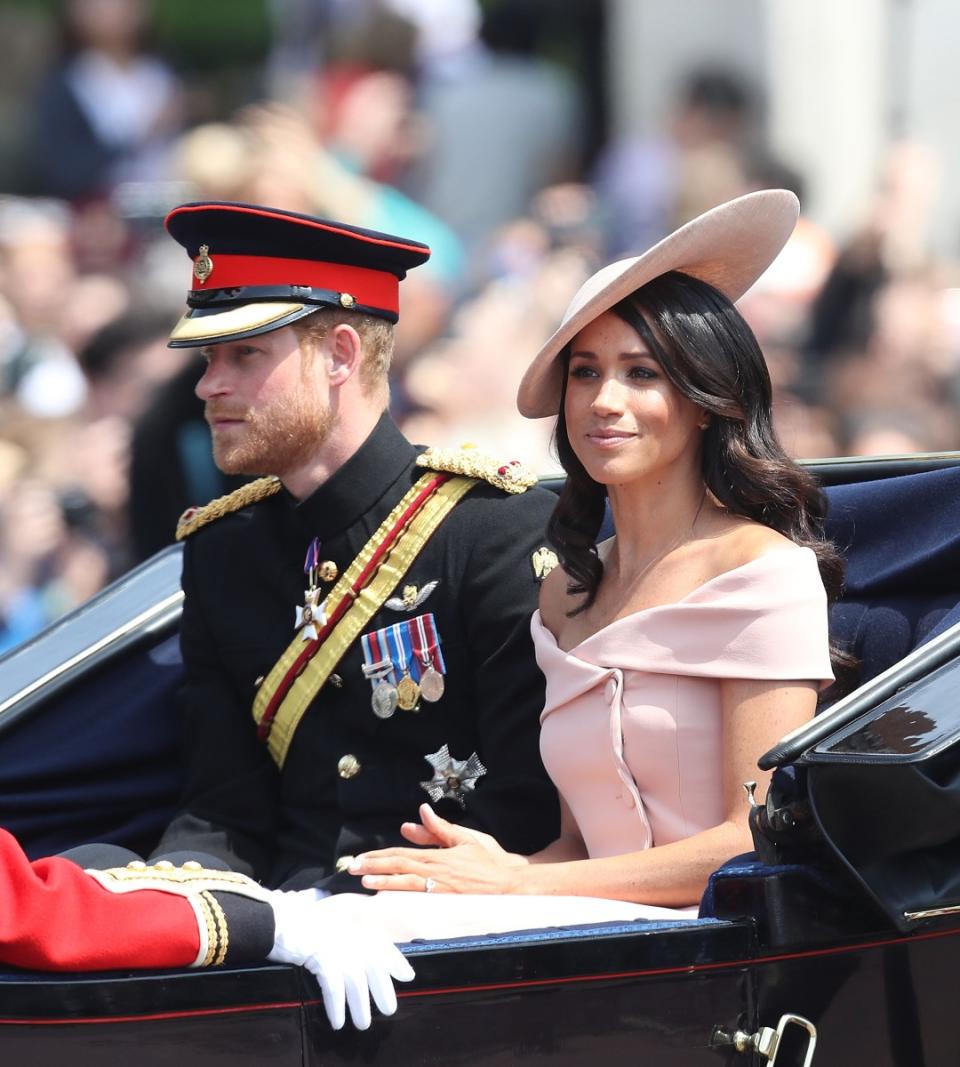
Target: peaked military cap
pixel 256 269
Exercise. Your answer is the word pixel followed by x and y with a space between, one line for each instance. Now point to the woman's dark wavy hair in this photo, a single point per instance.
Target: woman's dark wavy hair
pixel 709 353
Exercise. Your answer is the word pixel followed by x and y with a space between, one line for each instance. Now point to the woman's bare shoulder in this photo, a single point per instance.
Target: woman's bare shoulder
pixel 742 541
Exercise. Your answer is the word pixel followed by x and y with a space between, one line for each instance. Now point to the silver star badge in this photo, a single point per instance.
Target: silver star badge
pixel 452 777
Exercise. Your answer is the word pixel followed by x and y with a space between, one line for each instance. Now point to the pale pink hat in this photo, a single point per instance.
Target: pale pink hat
pixel 729 246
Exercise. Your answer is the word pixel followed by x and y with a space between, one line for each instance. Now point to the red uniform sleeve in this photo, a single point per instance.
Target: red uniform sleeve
pixel 54 916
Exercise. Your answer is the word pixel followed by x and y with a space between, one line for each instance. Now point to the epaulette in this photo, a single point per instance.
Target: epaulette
pixel 194 519
pixel 512 476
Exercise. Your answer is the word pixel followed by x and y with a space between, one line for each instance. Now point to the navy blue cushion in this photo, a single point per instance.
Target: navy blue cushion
pixel 901 536
pixel 901 541
pixel 100 763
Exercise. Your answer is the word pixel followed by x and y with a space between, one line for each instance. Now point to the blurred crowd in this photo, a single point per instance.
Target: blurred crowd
pixel 437 119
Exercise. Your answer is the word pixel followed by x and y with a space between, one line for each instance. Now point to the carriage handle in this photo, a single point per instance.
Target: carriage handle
pixel 766 1041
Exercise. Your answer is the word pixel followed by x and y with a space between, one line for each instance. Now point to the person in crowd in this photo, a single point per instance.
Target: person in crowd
pixel 355 629
pixel 488 93
pixel 107 104
pixel 57 916
pixel 681 648
pixel 171 462
pixel 651 182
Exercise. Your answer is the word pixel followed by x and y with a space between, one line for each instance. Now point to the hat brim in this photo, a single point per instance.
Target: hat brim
pixel 209 326
pixel 729 247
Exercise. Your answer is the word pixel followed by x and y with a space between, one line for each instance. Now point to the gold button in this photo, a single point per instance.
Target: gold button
pixel 336 681
pixel 328 571
pixel 347 300
pixel 192 865
pixel 163 865
pixel 136 865
pixel 348 766
pixel 343 864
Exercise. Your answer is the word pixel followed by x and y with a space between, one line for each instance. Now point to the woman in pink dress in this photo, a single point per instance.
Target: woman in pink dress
pixel 677 651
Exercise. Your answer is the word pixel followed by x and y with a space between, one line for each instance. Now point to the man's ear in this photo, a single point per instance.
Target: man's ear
pixel 344 353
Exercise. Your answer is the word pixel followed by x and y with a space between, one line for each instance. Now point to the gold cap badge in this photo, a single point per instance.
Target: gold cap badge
pixel 203 265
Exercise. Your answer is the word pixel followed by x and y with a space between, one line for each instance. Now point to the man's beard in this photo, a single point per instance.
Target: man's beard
pixel 275 439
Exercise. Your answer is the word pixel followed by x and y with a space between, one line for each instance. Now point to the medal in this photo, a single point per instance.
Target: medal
pixel 408 693
pixel 426 644
pixel 384 700
pixel 432 685
pixel 312 614
pixel 404 665
pixel 400 644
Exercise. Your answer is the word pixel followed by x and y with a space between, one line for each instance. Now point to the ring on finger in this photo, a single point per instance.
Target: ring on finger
pixel 429 885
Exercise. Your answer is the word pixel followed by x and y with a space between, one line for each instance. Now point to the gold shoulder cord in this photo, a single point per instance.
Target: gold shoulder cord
pixel 511 476
pixel 194 519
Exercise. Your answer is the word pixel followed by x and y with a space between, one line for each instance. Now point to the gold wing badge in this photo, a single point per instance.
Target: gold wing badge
pixel 543 561
pixel 412 597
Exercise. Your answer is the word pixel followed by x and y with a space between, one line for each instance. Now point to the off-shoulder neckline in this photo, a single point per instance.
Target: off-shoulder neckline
pixel 763 557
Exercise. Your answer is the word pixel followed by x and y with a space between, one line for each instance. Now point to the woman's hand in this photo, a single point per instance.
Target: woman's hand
pixel 457 860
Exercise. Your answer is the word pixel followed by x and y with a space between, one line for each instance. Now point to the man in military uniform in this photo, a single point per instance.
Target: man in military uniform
pixel 356 626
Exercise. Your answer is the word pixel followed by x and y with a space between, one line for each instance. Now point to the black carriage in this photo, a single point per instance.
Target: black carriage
pixel 835 942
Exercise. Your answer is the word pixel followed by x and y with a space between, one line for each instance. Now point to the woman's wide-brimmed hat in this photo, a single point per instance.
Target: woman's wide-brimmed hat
pixel 729 246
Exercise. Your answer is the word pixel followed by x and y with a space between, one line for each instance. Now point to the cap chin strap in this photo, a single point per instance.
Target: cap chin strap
pixel 286 294
pixel 200 299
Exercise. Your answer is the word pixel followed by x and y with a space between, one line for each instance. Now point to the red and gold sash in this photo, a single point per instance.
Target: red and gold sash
pixel 301 672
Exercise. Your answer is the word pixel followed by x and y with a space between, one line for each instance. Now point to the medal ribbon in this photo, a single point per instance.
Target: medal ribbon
pixel 373 656
pixel 401 650
pixel 426 648
pixel 313 559
pixel 302 670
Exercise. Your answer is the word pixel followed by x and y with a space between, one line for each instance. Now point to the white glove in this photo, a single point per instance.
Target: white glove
pixel 350 960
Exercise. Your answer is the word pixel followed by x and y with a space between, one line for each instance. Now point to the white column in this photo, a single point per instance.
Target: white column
pixel 654 44
pixel 828 78
pixel 929 63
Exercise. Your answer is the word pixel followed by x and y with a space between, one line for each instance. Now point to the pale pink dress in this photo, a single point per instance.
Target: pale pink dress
pixel 631 730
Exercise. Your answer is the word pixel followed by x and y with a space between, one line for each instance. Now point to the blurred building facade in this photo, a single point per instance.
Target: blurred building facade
pixel 841 82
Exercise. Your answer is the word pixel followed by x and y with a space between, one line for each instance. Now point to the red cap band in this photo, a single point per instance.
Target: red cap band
pixel 372 288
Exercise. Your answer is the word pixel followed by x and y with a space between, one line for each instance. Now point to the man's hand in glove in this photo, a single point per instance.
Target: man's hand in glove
pixel 350 960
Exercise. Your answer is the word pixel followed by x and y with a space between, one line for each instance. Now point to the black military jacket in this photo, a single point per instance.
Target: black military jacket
pixel 243 578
